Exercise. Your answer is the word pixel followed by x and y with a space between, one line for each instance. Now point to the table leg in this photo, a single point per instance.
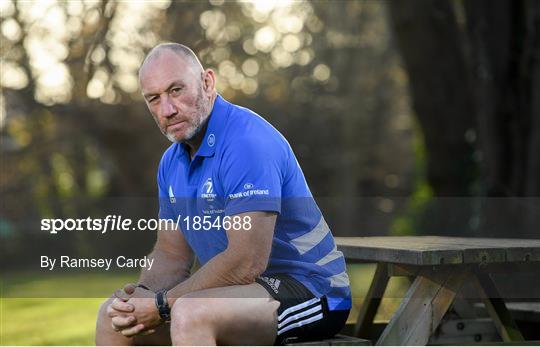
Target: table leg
pixel 372 301
pixel 423 307
pixel 496 308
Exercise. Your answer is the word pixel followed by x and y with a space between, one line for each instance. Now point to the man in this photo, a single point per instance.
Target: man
pixel 270 271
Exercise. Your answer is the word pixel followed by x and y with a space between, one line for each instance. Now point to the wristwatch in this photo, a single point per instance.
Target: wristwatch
pixel 163 306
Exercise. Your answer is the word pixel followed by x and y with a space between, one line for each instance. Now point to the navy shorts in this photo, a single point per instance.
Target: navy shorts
pixel 301 316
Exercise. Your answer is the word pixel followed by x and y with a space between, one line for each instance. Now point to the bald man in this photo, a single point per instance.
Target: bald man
pixel 270 271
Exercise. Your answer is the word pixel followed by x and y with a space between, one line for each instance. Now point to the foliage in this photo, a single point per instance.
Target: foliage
pixel 28 319
pixel 75 132
pixel 473 77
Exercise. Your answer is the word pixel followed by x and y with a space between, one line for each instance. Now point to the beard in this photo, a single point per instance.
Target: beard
pixel 197 120
pixel 200 114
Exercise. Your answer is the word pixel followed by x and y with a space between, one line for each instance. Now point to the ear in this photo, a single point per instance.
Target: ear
pixel 209 80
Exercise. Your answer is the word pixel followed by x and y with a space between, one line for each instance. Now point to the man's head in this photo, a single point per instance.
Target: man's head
pixel 179 93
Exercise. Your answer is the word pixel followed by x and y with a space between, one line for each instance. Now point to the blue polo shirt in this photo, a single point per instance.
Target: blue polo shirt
pixel 243 165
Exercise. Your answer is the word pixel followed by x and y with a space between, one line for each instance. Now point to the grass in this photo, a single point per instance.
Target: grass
pixel 44 309
pixel 31 321
pixel 360 276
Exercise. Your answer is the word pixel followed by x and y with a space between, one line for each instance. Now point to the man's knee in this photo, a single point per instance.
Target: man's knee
pixel 102 313
pixel 189 312
pixel 105 335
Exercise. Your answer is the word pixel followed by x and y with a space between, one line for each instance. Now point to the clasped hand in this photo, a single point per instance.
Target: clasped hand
pixel 134 312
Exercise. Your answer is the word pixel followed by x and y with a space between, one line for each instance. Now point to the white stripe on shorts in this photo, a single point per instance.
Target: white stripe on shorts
pixel 300 315
pixel 298 307
pixel 301 323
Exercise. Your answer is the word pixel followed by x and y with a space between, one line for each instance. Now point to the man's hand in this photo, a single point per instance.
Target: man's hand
pixel 121 312
pixel 139 314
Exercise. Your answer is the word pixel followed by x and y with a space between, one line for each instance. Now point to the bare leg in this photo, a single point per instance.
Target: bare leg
pixel 235 315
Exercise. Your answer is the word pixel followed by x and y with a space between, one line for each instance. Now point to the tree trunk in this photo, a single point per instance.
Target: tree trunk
pixel 430 42
pixel 484 79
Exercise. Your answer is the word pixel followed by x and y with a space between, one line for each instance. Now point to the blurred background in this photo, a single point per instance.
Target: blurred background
pixel 408 118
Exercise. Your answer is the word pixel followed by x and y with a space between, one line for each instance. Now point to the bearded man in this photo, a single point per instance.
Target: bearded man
pixel 270 272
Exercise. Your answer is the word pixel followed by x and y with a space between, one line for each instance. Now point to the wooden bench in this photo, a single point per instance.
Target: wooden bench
pixel 439 267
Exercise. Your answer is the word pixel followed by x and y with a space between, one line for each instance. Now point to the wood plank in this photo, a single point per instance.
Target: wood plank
pixel 441 257
pixel 514 249
pixel 379 254
pixel 525 254
pixel 503 243
pixel 502 343
pixel 525 311
pixel 496 308
pixel 420 242
pixel 474 250
pixel 338 340
pixel 423 307
pixel 482 255
pixel 378 250
pixel 520 311
pixel 434 250
pixel 484 250
pixel 464 331
pixel 364 322
pixel 521 267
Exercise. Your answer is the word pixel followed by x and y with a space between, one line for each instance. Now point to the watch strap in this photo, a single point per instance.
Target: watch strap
pixel 163 306
pixel 140 285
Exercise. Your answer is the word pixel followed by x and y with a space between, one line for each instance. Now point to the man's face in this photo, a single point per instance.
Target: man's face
pixel 174 93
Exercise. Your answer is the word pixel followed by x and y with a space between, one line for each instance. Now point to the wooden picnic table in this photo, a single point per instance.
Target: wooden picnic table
pixel 439 266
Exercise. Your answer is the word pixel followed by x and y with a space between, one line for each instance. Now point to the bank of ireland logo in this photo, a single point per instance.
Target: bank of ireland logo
pixel 171 195
pixel 211 140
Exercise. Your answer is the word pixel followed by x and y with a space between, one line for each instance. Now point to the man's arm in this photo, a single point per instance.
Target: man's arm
pixel 244 259
pixel 173 259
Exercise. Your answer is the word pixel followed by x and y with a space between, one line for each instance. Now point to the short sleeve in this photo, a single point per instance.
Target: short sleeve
pixel 165 207
pixel 251 174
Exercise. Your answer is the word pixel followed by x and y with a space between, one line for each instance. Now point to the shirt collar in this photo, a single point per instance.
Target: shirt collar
pixel 214 130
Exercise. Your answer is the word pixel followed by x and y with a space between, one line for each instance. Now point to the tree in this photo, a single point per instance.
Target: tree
pixel 327 78
pixel 474 75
